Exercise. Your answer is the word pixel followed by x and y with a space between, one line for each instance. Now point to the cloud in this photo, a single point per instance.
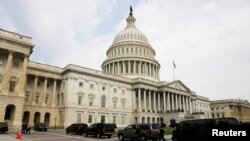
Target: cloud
pixel 208 40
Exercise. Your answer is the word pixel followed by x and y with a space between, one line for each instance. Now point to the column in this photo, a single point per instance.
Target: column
pixel 144 101
pixel 190 106
pixel 150 71
pixel 129 67
pixel 183 103
pixel 53 94
pixel 168 100
pixel 154 102
pixel 123 67
pixel 180 102
pixel 118 68
pixel 139 99
pixel 139 67
pixel 44 91
pixel 187 104
pixel 34 92
pixel 159 101
pixel 134 99
pixel 150 105
pixel 176 102
pixel 113 68
pixel 134 71
pixel 23 76
pixel 109 68
pixel 164 101
pixel 6 77
pixel 145 68
pixel 172 96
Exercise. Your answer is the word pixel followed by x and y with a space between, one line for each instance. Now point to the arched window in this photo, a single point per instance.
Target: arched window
pixel 103 101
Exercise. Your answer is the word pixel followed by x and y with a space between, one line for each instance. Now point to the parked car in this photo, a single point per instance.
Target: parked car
pixel 100 129
pixel 76 128
pixel 40 127
pixel 149 131
pixel 201 129
pixel 3 127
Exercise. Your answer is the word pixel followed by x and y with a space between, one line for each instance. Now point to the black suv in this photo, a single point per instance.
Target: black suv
pixel 201 129
pixel 76 128
pixel 3 127
pixel 40 127
pixel 148 131
pixel 100 129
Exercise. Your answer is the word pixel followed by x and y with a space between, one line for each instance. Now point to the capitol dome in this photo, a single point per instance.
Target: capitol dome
pixel 131 55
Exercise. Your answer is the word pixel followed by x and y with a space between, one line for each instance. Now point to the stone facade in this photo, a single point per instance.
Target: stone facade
pixel 237 108
pixel 127 90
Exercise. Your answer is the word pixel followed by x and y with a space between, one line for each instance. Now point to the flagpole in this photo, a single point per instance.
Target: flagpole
pixel 173 74
pixel 173 70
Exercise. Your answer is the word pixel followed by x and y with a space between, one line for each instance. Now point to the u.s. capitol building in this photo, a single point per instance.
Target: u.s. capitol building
pixel 127 90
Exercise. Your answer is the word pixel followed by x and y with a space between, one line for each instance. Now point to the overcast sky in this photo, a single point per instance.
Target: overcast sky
pixel 209 40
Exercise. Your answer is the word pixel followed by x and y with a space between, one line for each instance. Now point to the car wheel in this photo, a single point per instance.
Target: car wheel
pixel 67 132
pixel 109 136
pixel 99 135
pixel 85 134
pixel 143 138
pixel 121 138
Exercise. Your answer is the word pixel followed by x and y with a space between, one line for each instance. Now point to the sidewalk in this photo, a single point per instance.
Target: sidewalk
pixel 7 137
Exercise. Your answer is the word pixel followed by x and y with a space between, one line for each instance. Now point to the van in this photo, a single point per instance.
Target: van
pixel 201 129
pixel 100 129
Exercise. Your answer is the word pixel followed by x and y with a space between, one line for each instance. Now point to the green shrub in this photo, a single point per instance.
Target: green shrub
pixel 168 131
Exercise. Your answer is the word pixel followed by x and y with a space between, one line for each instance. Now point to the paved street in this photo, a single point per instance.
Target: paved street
pixel 51 135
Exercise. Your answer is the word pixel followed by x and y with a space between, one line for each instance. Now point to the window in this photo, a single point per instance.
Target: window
pixel 62 96
pixel 27 93
pixel 115 90
pixel 114 119
pixel 223 115
pixel 37 97
pixel 79 100
pixel 212 108
pixel 1 60
pixel 115 104
pixel 222 108
pixel 103 88
pixel 58 99
pixel 102 119
pixel 91 99
pixel 79 116
pixel 38 83
pixel 47 85
pixel 103 101
pixel 218 115
pixel 46 99
pixel 80 84
pixel 123 105
pixel 12 86
pixel 15 64
pixel 92 86
pixel 90 119
pixel 123 120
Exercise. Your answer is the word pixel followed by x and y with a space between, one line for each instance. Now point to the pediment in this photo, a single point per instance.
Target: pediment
pixel 178 85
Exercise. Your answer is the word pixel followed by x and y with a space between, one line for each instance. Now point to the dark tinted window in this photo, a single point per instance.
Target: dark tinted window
pixel 144 126
pixel 156 126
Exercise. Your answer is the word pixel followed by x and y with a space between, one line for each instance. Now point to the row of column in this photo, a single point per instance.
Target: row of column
pixel 44 92
pixel 153 101
pixel 132 67
pixel 7 73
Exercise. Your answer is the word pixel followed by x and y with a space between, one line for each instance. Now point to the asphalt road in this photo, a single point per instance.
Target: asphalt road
pixel 52 135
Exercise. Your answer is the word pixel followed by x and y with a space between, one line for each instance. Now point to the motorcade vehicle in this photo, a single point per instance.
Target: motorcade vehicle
pixel 3 127
pixel 201 129
pixel 149 131
pixel 100 129
pixel 40 127
pixel 76 128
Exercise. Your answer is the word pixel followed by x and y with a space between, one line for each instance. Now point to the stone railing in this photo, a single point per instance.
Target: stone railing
pixel 15 36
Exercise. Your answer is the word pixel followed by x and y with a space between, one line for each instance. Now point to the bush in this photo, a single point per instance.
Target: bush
pixel 168 130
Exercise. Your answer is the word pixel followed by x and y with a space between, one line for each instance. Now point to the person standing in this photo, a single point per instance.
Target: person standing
pixel 162 132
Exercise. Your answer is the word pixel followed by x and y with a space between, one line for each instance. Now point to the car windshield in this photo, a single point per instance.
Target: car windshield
pixel 156 126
